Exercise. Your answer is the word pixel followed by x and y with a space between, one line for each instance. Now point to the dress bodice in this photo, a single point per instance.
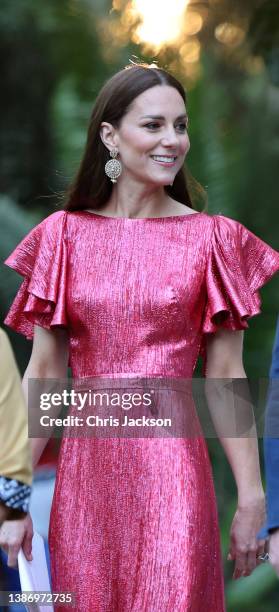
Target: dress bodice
pixel 138 295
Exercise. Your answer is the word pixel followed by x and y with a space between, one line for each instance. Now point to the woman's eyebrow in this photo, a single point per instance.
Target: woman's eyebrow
pixel 161 117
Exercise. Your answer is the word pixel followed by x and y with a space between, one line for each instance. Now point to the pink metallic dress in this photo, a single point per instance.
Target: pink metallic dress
pixel 134 523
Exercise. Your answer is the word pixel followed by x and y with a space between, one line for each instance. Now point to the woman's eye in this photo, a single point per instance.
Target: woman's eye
pixel 182 127
pixel 152 125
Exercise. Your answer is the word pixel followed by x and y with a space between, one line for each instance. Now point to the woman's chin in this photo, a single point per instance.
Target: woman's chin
pixel 163 181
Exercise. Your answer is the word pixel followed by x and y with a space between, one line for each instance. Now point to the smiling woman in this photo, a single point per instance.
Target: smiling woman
pixel 180 124
pixel 163 142
pixel 134 293
pixel 140 114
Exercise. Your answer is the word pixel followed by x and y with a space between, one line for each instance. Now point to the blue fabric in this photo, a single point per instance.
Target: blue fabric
pixel 10 576
pixel 11 579
pixel 271 443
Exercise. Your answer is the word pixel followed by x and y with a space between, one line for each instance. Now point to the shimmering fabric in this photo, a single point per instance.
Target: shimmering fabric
pixel 134 521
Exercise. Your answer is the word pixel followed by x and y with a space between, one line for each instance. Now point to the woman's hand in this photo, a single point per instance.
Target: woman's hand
pixel 244 546
pixel 16 534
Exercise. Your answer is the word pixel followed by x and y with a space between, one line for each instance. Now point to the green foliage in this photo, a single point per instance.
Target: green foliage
pixel 252 593
pixel 15 223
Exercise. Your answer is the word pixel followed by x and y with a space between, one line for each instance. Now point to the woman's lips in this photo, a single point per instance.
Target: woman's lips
pixel 162 160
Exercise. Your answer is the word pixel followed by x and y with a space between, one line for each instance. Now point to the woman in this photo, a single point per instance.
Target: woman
pixel 129 280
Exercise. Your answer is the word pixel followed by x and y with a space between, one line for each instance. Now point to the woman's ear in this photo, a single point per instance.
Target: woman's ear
pixel 108 135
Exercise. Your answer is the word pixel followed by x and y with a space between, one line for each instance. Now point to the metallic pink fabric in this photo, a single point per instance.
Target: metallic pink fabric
pixel 134 521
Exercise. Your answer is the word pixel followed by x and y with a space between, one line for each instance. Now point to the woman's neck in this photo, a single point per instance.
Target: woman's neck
pixel 140 201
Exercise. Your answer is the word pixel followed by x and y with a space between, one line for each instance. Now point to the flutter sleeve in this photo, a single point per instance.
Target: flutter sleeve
pixel 41 258
pixel 239 264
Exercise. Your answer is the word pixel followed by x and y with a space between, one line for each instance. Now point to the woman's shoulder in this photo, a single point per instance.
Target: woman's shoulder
pixel 51 223
pixel 53 227
pixel 217 218
pixel 225 229
pixel 221 220
pixel 219 228
pixel 231 241
pixel 57 217
pixel 63 217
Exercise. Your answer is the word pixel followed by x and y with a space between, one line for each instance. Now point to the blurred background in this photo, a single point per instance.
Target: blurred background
pixel 57 55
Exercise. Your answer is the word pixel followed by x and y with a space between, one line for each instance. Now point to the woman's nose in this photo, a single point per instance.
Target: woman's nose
pixel 170 138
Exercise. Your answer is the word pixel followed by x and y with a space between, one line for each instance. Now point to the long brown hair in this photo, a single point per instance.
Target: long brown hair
pixel 91 187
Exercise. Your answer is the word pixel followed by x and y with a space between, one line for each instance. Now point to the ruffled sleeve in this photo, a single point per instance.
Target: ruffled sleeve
pixel 239 264
pixel 41 258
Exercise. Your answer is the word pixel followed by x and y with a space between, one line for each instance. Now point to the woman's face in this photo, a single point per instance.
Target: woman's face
pixel 152 139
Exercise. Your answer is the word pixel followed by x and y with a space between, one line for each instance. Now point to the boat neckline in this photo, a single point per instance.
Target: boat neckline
pixel 93 214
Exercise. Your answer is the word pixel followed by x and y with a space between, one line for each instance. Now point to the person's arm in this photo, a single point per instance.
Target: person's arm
pixel 232 414
pixel 15 456
pixel 8 513
pixel 15 459
pixel 4 512
pixel 49 359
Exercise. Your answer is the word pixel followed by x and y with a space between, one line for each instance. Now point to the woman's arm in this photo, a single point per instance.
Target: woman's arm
pixel 49 359
pixel 232 413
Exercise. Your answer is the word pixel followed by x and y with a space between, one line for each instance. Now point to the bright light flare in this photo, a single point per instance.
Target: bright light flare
pixel 190 51
pixel 229 34
pixel 162 20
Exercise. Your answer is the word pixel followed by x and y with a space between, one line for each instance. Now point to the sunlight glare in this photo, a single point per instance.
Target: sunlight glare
pixel 161 20
pixel 229 34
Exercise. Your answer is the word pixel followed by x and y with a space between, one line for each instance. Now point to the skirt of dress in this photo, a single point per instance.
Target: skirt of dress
pixel 134 526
